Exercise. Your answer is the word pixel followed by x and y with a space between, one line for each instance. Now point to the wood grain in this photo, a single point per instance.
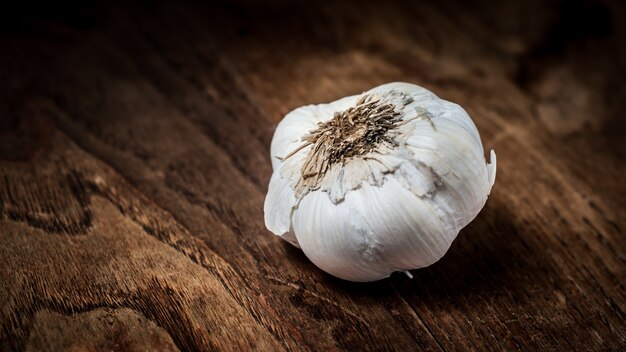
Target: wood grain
pixel 134 160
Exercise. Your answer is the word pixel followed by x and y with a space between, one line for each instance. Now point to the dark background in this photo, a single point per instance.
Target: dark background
pixel 134 160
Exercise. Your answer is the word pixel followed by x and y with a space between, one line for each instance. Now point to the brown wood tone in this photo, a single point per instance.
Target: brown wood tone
pixel 134 161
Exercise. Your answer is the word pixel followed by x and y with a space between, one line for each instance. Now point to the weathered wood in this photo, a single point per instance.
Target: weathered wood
pixel 134 160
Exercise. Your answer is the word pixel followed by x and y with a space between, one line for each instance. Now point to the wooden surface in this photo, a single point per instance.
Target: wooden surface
pixel 134 147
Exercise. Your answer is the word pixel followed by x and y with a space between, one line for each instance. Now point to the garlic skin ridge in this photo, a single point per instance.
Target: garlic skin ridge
pixel 395 208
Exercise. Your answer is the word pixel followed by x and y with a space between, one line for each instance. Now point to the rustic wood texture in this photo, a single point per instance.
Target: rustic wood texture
pixel 134 160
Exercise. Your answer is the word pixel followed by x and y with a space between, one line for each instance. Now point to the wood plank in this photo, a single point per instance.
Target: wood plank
pixel 134 161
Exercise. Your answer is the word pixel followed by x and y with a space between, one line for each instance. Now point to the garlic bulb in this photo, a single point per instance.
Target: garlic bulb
pixel 377 182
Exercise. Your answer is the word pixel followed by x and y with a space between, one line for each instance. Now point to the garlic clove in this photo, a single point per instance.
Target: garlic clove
pixel 336 239
pixel 372 233
pixel 460 166
pixel 412 231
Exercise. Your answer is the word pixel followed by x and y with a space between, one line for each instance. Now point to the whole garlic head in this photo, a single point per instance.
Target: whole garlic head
pixel 377 182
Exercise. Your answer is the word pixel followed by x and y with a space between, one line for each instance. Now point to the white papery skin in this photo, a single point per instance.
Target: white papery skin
pixel 395 209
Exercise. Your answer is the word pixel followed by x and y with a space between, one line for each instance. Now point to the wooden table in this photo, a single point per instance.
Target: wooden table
pixel 134 151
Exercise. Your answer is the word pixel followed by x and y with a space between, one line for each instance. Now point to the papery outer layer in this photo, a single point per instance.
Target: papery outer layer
pixel 278 208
